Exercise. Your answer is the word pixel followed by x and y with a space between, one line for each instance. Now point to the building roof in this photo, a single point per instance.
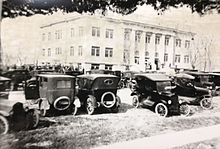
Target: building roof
pixel 154 76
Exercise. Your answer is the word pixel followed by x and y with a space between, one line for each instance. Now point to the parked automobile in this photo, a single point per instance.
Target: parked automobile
pixel 215 78
pixel 185 88
pixel 202 79
pixel 17 77
pixel 17 116
pixel 153 90
pixel 53 92
pixel 98 91
pixel 4 87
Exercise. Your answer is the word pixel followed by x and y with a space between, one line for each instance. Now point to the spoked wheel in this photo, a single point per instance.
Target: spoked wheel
pixel 206 103
pixel 4 126
pixel 185 109
pixel 33 119
pixel 90 105
pixel 135 101
pixel 161 109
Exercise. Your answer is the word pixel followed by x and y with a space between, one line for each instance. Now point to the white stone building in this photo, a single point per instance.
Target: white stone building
pixel 94 42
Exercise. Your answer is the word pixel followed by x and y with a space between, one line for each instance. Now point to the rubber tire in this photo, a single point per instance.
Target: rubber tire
pixel 185 112
pixel 135 101
pixel 33 118
pixel 205 107
pixel 5 124
pixel 90 105
pixel 158 105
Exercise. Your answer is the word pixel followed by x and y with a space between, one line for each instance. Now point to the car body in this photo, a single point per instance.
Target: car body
pixel 54 92
pixel 4 87
pixel 17 77
pixel 98 91
pixel 154 90
pixel 215 78
pixel 185 88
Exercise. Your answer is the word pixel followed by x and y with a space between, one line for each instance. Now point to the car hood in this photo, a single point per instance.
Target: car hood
pixel 201 91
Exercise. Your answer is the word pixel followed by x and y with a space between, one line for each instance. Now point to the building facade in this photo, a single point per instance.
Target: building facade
pixel 93 42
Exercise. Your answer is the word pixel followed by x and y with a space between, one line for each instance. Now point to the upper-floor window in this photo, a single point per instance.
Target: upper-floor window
pixel 49 35
pixel 137 36
pixel 49 52
pixel 147 38
pixel 187 44
pixel 95 51
pixel 58 34
pixel 80 51
pixel 157 39
pixel 156 54
pixel 127 34
pixel 146 54
pixel 109 33
pixel 80 31
pixel 58 51
pixel 177 58
pixel 167 39
pixel 43 37
pixel 72 32
pixel 186 58
pixel 96 31
pixel 165 57
pixel 108 52
pixel 178 42
pixel 136 60
pixel 43 52
pixel 71 51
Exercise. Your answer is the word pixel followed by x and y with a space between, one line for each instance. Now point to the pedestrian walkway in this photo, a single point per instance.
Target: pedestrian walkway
pixel 169 140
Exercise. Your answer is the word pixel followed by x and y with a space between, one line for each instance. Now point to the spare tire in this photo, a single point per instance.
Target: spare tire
pixel 108 99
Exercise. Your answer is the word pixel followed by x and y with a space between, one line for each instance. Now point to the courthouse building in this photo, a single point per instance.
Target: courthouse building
pixel 97 42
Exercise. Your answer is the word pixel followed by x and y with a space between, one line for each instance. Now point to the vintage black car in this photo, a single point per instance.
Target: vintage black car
pixel 215 78
pixel 202 79
pixel 16 116
pixel 154 90
pixel 185 88
pixel 53 93
pixel 4 87
pixel 17 77
pixel 98 91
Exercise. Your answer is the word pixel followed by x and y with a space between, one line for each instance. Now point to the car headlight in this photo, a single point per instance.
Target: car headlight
pixel 169 101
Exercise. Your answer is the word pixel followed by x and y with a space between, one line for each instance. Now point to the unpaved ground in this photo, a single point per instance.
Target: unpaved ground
pixel 85 131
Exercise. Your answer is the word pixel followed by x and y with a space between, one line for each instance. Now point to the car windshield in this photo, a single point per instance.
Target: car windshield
pixel 163 86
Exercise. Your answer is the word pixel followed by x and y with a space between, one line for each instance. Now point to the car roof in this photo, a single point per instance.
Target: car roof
pixel 184 75
pixel 94 76
pixel 55 76
pixel 196 73
pixel 213 73
pixel 4 79
pixel 154 76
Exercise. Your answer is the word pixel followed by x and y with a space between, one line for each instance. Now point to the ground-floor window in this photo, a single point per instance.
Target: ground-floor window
pixel 108 67
pixel 136 60
pixel 94 66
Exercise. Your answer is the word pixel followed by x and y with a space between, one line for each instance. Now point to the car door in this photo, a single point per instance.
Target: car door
pixel 31 89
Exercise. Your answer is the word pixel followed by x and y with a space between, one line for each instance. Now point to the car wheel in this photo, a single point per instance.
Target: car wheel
pixel 4 126
pixel 161 109
pixel 135 101
pixel 206 103
pixel 185 109
pixel 33 119
pixel 90 105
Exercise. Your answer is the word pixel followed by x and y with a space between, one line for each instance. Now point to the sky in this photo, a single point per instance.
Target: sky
pixel 21 30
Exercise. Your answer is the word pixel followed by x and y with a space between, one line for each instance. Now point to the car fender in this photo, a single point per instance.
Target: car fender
pixel 164 101
pixel 3 113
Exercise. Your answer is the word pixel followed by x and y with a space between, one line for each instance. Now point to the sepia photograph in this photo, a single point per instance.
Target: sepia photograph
pixel 109 74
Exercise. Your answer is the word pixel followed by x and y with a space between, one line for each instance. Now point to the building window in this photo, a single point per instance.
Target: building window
pixel 178 42
pixel 156 54
pixel 136 60
pixel 80 51
pixel 137 36
pixel 126 34
pixel 108 67
pixel 177 58
pixel 96 31
pixel 109 33
pixel 72 32
pixel 43 37
pixel 146 53
pixel 49 52
pixel 126 56
pixel 49 36
pixel 108 52
pixel 186 59
pixel 80 31
pixel 147 38
pixel 58 34
pixel 157 40
pixel 95 51
pixel 167 39
pixel 187 44
pixel 43 52
pixel 58 51
pixel 71 51
pixel 94 66
pixel 165 57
